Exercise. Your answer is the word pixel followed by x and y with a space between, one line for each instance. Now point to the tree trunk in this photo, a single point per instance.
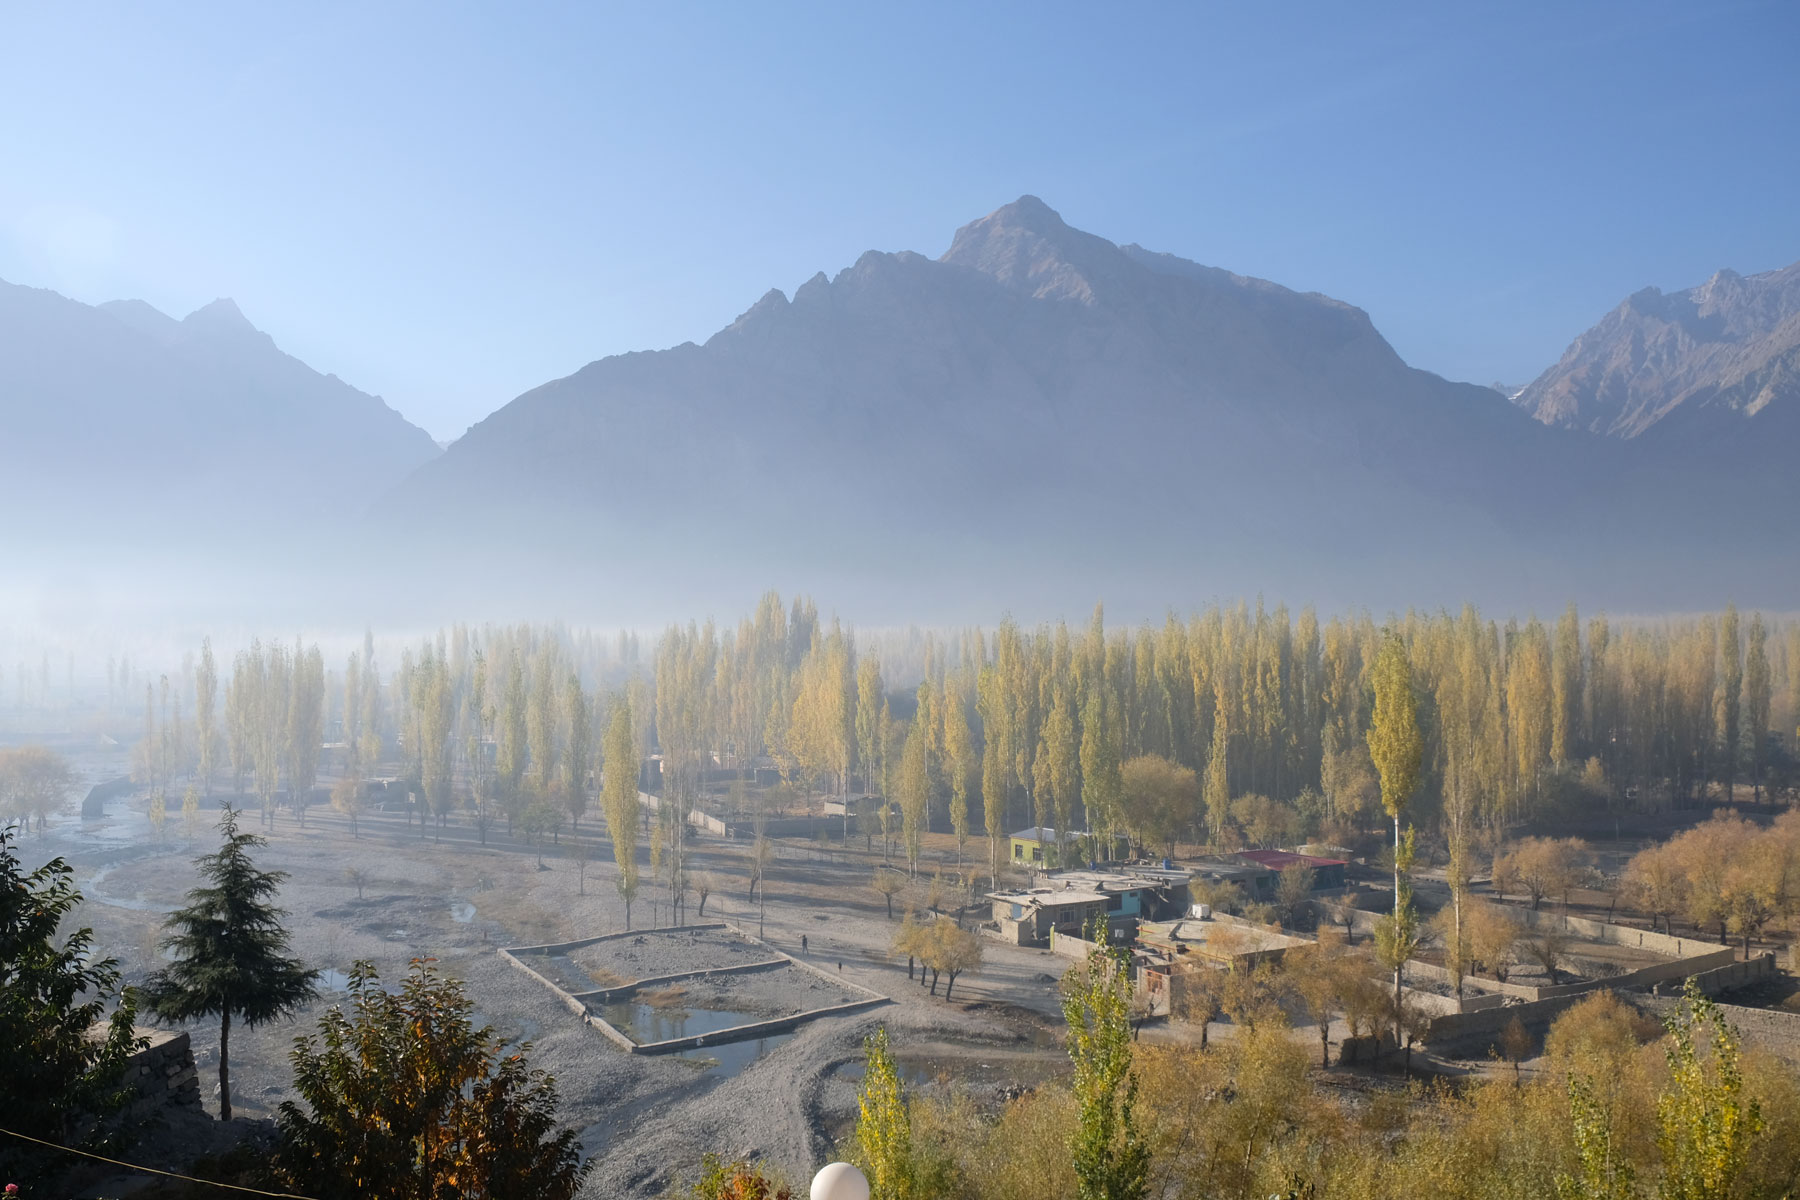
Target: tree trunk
pixel 225 1066
pixel 1325 1043
pixel 1399 967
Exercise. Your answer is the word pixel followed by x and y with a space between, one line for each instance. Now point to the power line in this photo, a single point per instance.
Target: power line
pixel 25 1137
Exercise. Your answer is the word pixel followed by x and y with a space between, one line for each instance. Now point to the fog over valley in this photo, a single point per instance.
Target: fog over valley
pixel 926 603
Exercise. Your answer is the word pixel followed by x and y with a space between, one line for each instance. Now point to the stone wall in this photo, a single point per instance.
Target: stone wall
pixel 1734 975
pixel 162 1075
pixel 1487 1023
pixel 1773 1030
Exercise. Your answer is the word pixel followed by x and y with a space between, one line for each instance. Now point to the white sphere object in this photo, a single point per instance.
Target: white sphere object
pixel 839 1181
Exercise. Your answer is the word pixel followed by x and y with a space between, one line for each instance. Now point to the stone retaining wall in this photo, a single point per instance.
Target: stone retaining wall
pixel 1487 1023
pixel 1773 1030
pixel 162 1075
pixel 1733 975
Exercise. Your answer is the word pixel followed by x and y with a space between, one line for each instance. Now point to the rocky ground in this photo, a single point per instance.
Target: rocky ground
pixel 391 896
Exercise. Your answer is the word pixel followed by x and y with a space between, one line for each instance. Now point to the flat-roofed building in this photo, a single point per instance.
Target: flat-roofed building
pixel 1069 901
pixel 1328 873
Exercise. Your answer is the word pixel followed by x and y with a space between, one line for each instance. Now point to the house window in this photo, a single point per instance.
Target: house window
pixel 1114 902
pixel 1037 854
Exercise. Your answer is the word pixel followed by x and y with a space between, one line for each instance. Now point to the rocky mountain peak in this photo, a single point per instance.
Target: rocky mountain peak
pixel 1026 245
pixel 1712 355
pixel 222 314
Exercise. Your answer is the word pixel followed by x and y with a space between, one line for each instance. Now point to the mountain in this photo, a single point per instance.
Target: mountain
pixel 1721 360
pixel 1040 412
pixel 124 424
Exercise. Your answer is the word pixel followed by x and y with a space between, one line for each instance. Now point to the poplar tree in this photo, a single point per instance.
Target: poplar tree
pixel 1397 750
pixel 1112 1159
pixel 1731 693
pixel 1101 786
pixel 1756 698
pixel 206 691
pixel 305 725
pixel 883 1125
pixel 869 699
pixel 1565 687
pixel 1054 769
pixel 578 717
pixel 511 751
pixel 960 765
pixel 990 705
pixel 1218 786
pixel 230 950
pixel 619 798
pixel 915 794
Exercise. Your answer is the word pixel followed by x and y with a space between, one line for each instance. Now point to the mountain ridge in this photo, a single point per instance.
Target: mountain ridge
pixel 1046 386
pixel 1729 347
pixel 102 401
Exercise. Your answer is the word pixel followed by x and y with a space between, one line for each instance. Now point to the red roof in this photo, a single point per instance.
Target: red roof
pixel 1275 860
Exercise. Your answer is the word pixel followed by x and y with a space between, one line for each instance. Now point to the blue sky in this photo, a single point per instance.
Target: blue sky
pixel 448 204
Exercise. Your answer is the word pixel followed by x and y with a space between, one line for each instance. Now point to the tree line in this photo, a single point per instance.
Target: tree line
pixel 1238 725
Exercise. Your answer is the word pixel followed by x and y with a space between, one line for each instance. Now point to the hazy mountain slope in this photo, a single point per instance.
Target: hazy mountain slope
pixel 1042 409
pixel 1725 354
pixel 120 418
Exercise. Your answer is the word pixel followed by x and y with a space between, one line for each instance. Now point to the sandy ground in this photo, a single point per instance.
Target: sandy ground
pixel 646 1120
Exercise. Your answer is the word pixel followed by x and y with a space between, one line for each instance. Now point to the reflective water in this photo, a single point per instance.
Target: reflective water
pixel 644 1023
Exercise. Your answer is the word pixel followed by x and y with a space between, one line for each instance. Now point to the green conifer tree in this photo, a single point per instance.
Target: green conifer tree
pixel 230 950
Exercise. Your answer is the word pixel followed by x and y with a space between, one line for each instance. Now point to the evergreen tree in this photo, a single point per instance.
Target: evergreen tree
pixel 230 950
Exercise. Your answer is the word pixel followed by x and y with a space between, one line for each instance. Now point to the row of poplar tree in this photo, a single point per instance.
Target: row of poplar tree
pixel 991 731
